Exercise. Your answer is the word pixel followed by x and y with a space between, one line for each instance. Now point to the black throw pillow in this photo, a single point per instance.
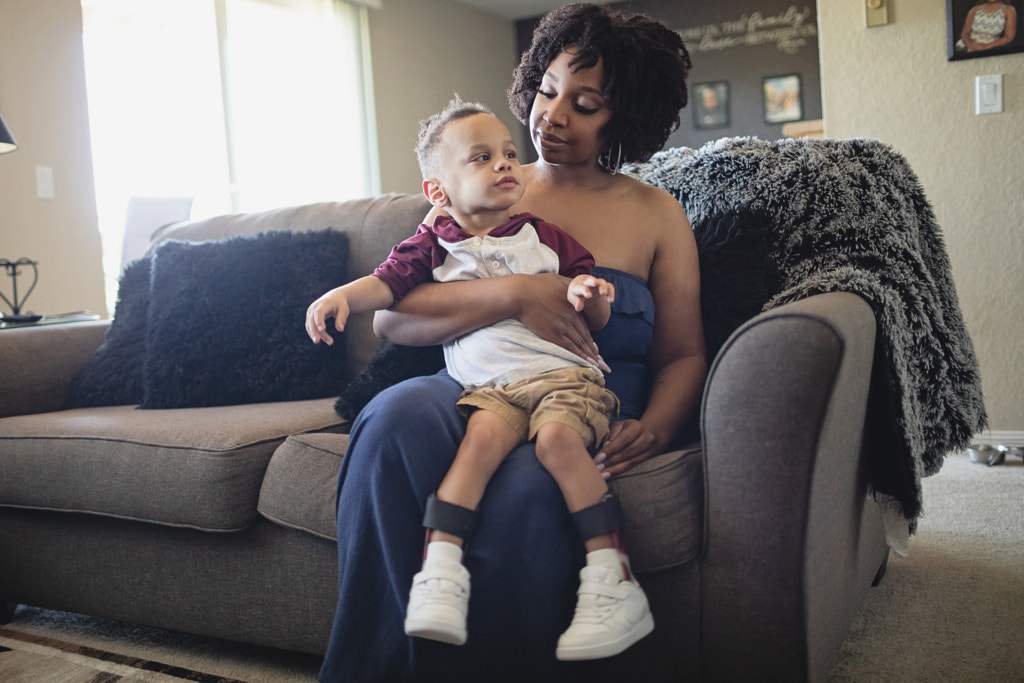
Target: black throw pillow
pixel 737 275
pixel 392 363
pixel 226 320
pixel 113 376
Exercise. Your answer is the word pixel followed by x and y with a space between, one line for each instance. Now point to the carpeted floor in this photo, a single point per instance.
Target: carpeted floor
pixel 954 609
pixel 951 611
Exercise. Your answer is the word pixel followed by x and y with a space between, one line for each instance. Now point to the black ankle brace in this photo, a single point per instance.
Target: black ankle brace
pixel 449 518
pixel 603 518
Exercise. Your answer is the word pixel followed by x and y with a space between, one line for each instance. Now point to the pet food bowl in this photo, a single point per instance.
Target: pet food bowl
pixel 987 454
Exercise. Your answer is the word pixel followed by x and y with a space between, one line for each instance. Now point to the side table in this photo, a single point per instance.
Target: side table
pixel 75 317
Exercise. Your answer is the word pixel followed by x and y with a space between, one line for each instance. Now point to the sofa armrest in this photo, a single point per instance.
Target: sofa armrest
pixel 39 363
pixel 792 540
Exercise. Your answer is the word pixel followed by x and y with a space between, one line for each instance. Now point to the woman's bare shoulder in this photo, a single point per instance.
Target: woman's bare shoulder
pixel 664 209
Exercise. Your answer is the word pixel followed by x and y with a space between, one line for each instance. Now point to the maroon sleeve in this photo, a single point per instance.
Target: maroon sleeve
pixel 573 258
pixel 411 263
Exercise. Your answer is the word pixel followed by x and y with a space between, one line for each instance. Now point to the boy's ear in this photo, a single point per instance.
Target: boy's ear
pixel 435 193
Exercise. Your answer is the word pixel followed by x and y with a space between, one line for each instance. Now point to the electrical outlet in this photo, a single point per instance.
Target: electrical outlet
pixel 44 182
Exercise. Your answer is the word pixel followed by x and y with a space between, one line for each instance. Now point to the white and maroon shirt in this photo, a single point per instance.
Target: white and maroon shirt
pixel 443 252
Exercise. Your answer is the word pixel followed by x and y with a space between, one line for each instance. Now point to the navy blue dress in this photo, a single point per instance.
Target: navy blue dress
pixel 524 557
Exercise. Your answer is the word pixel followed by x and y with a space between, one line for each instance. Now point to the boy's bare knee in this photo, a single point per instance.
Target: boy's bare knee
pixel 486 431
pixel 556 443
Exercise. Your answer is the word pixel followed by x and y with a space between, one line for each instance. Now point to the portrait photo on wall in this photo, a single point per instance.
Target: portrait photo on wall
pixel 711 105
pixel 984 28
pixel 782 99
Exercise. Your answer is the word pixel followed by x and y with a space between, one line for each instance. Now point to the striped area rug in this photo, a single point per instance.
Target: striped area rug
pixel 29 658
pixel 49 646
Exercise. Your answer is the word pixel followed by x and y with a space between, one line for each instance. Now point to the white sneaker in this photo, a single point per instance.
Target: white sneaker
pixel 611 615
pixel 439 601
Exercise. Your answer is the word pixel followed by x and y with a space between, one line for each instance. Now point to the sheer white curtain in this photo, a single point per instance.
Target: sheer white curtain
pixel 243 105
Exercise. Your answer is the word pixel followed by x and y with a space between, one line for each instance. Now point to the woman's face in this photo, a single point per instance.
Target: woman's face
pixel 569 113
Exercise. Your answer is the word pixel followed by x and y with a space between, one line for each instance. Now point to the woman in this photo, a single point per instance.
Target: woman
pixel 989 24
pixel 596 89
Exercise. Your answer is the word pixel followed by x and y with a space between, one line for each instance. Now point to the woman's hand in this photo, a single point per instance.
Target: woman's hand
pixel 629 443
pixel 545 309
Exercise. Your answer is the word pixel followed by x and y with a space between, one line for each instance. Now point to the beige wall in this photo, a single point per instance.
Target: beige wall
pixel 892 83
pixel 895 84
pixel 42 99
pixel 423 52
pixel 416 69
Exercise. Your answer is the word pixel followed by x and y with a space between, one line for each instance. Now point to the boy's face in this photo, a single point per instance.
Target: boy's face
pixel 480 169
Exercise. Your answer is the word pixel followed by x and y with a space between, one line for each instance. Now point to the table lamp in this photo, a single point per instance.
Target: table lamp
pixel 7 142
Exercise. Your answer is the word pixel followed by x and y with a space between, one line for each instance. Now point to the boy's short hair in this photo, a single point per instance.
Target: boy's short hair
pixel 432 127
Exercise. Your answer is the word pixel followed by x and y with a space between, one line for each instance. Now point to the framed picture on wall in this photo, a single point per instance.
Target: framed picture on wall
pixel 782 99
pixel 984 28
pixel 711 104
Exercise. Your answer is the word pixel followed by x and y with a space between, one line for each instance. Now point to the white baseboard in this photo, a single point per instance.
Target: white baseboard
pixel 1005 438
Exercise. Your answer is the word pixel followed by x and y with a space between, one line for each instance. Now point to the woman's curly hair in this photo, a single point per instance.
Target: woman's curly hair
pixel 645 69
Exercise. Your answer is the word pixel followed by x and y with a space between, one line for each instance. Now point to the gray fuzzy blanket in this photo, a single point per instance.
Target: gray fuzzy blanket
pixel 849 215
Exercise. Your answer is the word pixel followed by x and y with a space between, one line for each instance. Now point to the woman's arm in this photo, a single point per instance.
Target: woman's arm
pixel 436 313
pixel 968 25
pixel 677 357
pixel 965 34
pixel 1010 32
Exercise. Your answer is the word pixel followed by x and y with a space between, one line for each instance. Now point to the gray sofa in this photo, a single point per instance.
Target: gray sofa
pixel 756 548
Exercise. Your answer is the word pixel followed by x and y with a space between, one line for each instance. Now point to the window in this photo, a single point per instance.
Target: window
pixel 242 105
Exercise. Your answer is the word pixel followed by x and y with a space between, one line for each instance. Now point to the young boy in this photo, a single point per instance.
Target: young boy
pixel 517 386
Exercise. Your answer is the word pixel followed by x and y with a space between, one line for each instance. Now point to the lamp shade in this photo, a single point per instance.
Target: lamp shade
pixel 7 142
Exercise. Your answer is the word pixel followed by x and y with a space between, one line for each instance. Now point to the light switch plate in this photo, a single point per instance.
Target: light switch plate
pixel 988 94
pixel 44 182
pixel 876 12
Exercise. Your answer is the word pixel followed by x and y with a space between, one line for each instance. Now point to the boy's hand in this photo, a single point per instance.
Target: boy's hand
pixel 583 287
pixel 332 304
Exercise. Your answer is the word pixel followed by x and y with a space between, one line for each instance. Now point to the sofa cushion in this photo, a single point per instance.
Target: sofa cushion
pixel 663 505
pixel 226 321
pixel 199 468
pixel 301 483
pixel 662 499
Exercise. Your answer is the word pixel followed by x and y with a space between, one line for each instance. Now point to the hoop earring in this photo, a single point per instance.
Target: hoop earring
pixel 606 159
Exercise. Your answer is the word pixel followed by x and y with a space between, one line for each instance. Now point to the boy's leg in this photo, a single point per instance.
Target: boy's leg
pixel 562 452
pixel 612 611
pixel 488 440
pixel 439 598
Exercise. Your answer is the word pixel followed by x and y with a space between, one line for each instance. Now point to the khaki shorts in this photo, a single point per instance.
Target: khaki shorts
pixel 575 397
